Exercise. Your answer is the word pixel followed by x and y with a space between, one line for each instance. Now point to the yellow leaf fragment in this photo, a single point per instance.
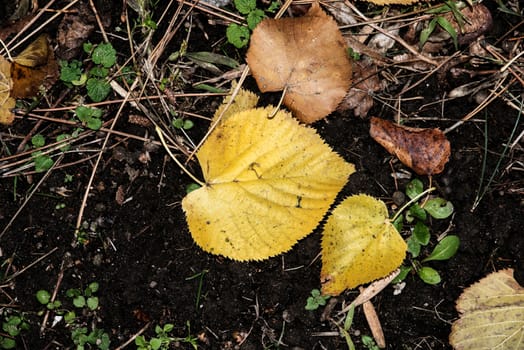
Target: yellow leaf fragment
pixel 35 66
pixel 268 184
pixel 359 244
pixel 6 84
pixel 491 314
pixel 36 54
pixel 244 100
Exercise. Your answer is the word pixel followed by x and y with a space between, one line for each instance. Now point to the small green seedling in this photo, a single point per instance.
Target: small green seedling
pixel 12 326
pixel 90 116
pixel 97 337
pixel 162 340
pixel 43 162
pixel 416 216
pixel 44 298
pixel 369 343
pixel 181 123
pixel 85 298
pixel 344 329
pixel 96 78
pixel 443 22
pixel 239 35
pixel 316 299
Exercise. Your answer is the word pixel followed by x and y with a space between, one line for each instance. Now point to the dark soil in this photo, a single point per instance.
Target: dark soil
pixel 151 272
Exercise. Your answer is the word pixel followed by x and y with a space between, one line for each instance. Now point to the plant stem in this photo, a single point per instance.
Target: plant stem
pixel 161 136
pixel 420 195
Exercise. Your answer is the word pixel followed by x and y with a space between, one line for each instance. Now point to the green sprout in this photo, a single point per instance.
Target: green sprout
pixel 448 6
pixel 90 116
pixel 162 340
pixel 44 298
pixel 239 35
pixel 95 79
pixel 315 300
pixel 43 162
pixel 86 297
pixel 97 337
pixel 12 326
pixel 416 216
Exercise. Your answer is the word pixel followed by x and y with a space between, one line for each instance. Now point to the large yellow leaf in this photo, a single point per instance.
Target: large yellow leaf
pixel 359 244
pixel 492 315
pixel 269 181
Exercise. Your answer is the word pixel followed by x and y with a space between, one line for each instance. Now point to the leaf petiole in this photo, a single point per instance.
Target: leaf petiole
pixel 413 200
pixel 161 136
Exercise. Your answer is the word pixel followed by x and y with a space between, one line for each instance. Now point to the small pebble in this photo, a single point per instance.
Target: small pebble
pixel 399 198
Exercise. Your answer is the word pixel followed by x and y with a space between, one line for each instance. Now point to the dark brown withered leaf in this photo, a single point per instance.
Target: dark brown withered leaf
pixel 426 151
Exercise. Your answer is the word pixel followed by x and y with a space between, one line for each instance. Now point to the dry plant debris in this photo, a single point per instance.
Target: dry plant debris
pixel 306 57
pixel 393 2
pixel 268 183
pixel 22 77
pixel 426 151
pixel 359 98
pixel 491 314
pixel 359 245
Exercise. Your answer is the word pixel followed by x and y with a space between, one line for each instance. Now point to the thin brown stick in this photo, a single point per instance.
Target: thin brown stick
pixel 19 272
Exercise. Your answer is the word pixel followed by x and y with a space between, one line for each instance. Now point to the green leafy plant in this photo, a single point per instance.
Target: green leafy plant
pixel 90 116
pixel 96 78
pixel 181 123
pixel 12 326
pixel 369 343
pixel 44 298
pixel 344 328
pixel 416 216
pixel 316 299
pixel 443 22
pixel 85 298
pixel 239 35
pixel 162 340
pixel 43 162
pixel 97 337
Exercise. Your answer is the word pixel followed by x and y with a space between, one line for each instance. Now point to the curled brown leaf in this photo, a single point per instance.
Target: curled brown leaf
pixel 426 151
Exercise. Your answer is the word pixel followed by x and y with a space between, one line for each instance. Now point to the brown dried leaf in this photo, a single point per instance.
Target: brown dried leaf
pixel 73 31
pixel 307 55
pixel 359 98
pixel 478 21
pixel 426 151
pixel 34 66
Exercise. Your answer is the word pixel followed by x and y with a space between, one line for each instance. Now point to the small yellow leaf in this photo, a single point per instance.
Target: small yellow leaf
pixel 492 314
pixel 359 244
pixel 6 84
pixel 36 54
pixel 269 182
pixel 244 100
